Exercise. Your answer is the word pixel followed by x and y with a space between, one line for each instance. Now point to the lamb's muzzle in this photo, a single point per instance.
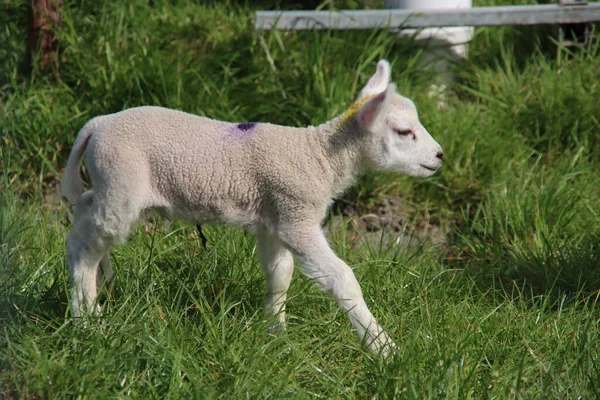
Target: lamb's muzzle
pixel 248 174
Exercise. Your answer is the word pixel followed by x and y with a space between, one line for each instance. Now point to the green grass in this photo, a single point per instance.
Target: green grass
pixel 507 307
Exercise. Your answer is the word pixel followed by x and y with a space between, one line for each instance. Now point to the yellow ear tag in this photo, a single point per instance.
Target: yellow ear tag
pixel 351 112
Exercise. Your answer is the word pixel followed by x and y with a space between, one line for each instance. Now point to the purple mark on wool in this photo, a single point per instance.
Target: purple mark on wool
pixel 246 126
pixel 241 130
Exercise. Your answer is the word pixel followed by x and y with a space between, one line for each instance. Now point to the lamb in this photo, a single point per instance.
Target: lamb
pixel 275 180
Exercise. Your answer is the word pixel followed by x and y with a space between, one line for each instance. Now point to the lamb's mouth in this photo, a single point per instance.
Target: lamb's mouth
pixel 429 168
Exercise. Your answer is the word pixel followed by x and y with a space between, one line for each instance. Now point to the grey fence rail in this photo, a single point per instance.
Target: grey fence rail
pixel 569 13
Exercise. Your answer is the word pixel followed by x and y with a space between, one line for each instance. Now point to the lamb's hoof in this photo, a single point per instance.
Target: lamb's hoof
pixel 383 345
pixel 388 349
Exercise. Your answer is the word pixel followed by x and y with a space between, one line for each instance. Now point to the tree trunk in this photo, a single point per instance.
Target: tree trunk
pixel 43 17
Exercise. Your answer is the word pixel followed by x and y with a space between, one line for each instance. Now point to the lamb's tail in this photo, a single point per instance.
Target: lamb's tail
pixel 71 185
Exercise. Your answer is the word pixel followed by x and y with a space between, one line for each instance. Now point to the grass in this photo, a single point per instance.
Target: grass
pixel 506 307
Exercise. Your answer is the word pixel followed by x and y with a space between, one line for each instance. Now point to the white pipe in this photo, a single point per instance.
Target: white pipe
pixel 456 37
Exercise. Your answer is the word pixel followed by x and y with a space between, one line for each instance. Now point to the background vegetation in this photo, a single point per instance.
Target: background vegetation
pixel 505 306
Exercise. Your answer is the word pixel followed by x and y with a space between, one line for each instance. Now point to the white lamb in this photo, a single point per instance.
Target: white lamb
pixel 275 180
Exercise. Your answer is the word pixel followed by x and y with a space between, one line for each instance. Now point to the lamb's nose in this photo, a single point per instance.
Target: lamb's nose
pixel 440 155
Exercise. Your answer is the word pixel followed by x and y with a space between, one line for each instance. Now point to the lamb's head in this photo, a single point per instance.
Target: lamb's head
pixel 395 139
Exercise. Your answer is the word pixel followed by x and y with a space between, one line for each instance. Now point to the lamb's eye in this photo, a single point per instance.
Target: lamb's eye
pixel 403 132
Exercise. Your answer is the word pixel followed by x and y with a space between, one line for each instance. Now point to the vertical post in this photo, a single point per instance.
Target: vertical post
pixel 43 17
pixel 445 45
pixel 456 38
pixel 573 34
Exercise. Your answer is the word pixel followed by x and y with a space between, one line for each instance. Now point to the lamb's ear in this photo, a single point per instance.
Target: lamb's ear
pixel 379 81
pixel 372 108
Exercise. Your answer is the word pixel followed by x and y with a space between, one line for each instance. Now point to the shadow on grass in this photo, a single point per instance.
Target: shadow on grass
pixel 570 274
pixel 18 304
pixel 219 290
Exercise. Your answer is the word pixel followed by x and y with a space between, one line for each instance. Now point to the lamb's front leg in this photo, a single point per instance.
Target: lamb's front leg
pixel 278 266
pixel 334 276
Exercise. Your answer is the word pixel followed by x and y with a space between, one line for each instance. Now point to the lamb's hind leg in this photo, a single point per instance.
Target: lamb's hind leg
pixel 94 232
pixel 85 250
pixel 278 266
pixel 104 273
